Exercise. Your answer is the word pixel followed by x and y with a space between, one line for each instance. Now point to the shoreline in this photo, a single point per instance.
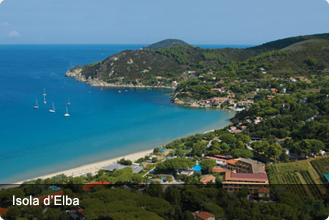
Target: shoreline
pixel 88 168
pixel 94 167
pixel 96 82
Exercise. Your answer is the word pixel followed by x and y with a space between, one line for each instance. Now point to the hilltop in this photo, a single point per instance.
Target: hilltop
pixel 164 44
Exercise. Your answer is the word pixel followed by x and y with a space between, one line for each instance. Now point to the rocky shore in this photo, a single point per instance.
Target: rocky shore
pixel 96 82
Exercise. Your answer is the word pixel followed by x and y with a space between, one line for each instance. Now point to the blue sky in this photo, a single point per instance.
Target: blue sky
pixel 246 22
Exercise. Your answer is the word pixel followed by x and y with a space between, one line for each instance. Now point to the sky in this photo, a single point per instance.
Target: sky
pixel 239 22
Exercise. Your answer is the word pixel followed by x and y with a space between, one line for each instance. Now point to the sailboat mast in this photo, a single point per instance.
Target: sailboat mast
pixel 44 96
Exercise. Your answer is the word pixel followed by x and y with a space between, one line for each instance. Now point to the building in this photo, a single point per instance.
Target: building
pixel 236 181
pixel 174 84
pixel 208 179
pixel 116 166
pixel 203 215
pixel 218 169
pixel 90 186
pixel 269 97
pixel 246 103
pixel 263 191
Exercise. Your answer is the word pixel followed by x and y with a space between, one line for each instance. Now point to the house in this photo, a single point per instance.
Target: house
pixel 216 138
pixel 203 215
pixel 246 103
pixel 90 186
pixel 245 165
pixel 145 70
pixel 116 166
pixel 293 79
pixel 243 127
pixel 274 90
pixel 138 79
pixel 174 84
pixel 216 89
pixel 263 191
pixel 269 97
pixel 218 169
pixel 3 210
pixel 207 179
pixel 224 157
pixel 158 77
pixel 76 214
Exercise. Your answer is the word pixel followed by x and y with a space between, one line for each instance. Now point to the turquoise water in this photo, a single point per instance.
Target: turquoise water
pixel 103 123
pixel 197 168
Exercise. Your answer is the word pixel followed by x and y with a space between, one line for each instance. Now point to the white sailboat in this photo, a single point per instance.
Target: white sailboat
pixel 52 110
pixel 44 96
pixel 36 106
pixel 68 103
pixel 67 112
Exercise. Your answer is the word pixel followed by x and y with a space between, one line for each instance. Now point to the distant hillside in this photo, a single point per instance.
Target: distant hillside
pixel 282 43
pixel 296 55
pixel 164 44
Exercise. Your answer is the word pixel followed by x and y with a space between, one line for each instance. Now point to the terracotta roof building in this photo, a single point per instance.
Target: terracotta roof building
pixel 89 186
pixel 208 179
pixel 203 215
pixel 253 181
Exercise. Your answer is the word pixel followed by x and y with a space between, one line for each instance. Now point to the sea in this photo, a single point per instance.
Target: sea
pixel 104 123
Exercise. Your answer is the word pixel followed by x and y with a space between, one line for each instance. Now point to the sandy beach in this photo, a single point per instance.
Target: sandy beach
pixel 92 167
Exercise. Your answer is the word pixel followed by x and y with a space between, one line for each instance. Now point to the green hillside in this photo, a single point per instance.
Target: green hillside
pixel 301 56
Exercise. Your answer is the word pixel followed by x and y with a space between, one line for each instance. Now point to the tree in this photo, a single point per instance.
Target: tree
pixel 228 138
pixel 13 212
pixel 274 151
pixel 243 193
pixel 137 178
pixel 173 195
pixel 240 145
pixel 125 162
pixel 245 138
pixel 175 164
pixel 208 164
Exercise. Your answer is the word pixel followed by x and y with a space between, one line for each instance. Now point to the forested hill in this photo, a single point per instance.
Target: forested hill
pixel 164 44
pixel 147 67
pixel 282 43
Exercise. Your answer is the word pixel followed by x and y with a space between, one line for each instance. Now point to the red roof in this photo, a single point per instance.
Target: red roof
pixel 204 215
pixel 207 179
pixel 218 170
pixel 89 186
pixel 263 190
pixel 232 161
pixel 245 176
pixel 3 210
pixel 221 156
